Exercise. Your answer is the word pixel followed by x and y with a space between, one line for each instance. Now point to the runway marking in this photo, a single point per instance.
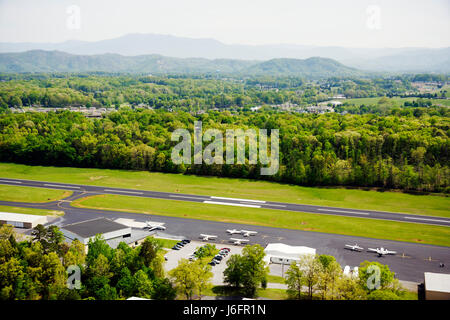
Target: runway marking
pixel 10 181
pixel 121 191
pixel 59 186
pixel 426 219
pixel 332 210
pixel 232 204
pixel 275 205
pixel 237 199
pixel 187 197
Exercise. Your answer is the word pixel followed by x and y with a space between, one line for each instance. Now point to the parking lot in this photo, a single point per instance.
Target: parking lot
pixel 173 256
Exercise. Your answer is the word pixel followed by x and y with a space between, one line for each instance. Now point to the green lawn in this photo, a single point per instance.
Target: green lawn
pixel 167 243
pixel 363 227
pixel 30 194
pixel 434 205
pixel 395 100
pixel 41 212
pixel 276 279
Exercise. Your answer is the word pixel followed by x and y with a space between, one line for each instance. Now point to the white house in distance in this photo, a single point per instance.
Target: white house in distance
pixel 20 220
pixel 286 254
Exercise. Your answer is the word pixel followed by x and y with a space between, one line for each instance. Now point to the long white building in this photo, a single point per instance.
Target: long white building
pixel 286 254
pixel 20 220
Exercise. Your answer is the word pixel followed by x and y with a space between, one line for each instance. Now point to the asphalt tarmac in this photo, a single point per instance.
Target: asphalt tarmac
pixel 86 190
pixel 409 264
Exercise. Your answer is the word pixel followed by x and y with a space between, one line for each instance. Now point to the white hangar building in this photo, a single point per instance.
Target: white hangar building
pixel 437 286
pixel 85 230
pixel 19 220
pixel 286 254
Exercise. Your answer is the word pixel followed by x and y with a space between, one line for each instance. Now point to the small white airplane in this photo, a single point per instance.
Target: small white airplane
pixel 154 226
pixel 354 247
pixel 233 231
pixel 247 233
pixel 238 241
pixel 206 237
pixel 381 251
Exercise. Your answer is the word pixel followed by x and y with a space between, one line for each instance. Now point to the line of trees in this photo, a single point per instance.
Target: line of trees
pixel 188 93
pixel 37 269
pixel 402 152
pixel 321 277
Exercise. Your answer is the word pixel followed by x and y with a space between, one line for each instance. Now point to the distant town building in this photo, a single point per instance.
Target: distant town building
pixel 338 96
pixel 318 109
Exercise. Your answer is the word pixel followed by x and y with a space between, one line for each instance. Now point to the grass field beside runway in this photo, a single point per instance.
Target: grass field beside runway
pixel 40 212
pixel 30 194
pixel 434 205
pixel 167 243
pixel 361 227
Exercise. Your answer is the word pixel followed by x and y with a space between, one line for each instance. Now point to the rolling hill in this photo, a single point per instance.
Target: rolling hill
pixel 373 59
pixel 56 61
pixel 311 67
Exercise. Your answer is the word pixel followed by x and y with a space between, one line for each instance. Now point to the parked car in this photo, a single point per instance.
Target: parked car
pixel 175 247
pixel 212 263
pixel 192 257
pixel 186 241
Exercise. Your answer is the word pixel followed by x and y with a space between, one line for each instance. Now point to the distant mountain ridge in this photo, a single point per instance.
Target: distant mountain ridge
pixel 311 66
pixel 372 59
pixel 56 61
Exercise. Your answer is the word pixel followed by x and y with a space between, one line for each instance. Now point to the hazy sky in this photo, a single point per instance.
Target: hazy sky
pixel 349 23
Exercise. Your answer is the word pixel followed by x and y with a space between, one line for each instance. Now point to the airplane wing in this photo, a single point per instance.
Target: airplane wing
pixel 239 240
pixel 371 249
pixel 391 252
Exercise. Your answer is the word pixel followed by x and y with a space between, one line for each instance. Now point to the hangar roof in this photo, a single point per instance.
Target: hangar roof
pixel 289 250
pixel 20 217
pixel 90 228
pixel 437 282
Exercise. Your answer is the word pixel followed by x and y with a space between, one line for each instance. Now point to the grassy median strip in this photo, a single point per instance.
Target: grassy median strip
pixel 433 205
pixel 31 194
pixel 40 212
pixel 391 230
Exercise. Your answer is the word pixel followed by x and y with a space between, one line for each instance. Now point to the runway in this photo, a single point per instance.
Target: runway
pixel 86 190
pixel 409 264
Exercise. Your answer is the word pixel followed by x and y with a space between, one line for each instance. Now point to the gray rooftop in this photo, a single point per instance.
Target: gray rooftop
pixel 90 228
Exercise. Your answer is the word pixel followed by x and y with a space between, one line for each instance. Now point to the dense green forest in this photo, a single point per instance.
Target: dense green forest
pixel 408 152
pixel 186 93
pixel 36 269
